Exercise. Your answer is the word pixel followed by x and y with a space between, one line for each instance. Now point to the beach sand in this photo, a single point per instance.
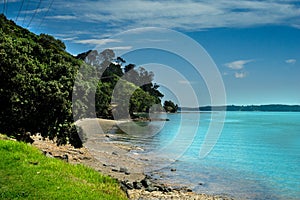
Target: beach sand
pixel 109 158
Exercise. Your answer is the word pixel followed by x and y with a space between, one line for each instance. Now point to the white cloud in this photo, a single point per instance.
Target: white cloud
pixel 238 64
pixel 185 15
pixel 96 41
pixel 225 73
pixel 291 61
pixel 39 10
pixel 68 38
pixel 120 48
pixel 69 34
pixel 62 17
pixel 240 74
pixel 184 82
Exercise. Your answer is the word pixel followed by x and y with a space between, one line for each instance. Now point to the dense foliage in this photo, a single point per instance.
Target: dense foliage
pixel 133 85
pixel 37 77
pixel 170 107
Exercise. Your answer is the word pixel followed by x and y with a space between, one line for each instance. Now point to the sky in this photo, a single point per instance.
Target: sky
pixel 254 45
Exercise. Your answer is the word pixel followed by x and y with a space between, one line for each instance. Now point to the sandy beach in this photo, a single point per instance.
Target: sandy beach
pixel 111 160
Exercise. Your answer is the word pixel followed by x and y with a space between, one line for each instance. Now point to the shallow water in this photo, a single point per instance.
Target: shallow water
pixel 257 155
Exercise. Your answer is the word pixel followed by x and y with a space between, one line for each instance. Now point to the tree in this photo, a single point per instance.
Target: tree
pixel 37 78
pixel 170 106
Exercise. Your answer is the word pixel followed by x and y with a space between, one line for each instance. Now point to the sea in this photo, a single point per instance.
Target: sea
pixel 255 155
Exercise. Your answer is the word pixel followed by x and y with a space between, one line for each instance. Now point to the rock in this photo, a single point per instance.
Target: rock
pixel 86 158
pixel 127 184
pixel 168 189
pixel 201 183
pixel 160 188
pixel 146 182
pixel 124 188
pixel 81 152
pixel 139 149
pixel 137 185
pixel 26 137
pixel 114 153
pixel 64 157
pixel 48 154
pixel 123 170
pixel 173 170
pixel 127 173
pixel 114 170
pixel 151 189
pixel 184 189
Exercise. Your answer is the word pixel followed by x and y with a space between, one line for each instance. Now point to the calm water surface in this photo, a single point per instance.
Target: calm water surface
pixel 256 157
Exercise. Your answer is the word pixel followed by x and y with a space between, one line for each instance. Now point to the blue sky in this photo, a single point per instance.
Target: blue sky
pixel 254 44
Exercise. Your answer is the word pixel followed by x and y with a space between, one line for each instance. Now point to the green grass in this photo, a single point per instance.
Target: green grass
pixel 27 174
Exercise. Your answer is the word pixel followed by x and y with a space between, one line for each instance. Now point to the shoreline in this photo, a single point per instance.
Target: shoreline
pixel 112 160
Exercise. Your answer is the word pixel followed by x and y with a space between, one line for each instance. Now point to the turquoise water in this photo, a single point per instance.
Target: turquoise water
pixel 257 156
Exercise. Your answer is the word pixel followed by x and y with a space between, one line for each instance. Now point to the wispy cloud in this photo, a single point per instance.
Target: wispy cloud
pixel 120 48
pixel 291 61
pixel 62 17
pixel 225 73
pixel 184 15
pixel 184 82
pixel 97 41
pixel 69 38
pixel 238 64
pixel 35 11
pixel 240 74
pixel 68 34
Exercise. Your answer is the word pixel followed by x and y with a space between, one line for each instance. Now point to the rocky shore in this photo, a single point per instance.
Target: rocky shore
pixel 113 162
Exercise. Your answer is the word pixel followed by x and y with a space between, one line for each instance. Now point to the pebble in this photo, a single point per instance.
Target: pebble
pixel 114 170
pixel 123 170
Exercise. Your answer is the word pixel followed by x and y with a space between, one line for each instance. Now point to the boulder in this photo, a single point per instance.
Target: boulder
pixel 151 189
pixel 137 185
pixel 123 170
pixel 127 184
pixel 146 182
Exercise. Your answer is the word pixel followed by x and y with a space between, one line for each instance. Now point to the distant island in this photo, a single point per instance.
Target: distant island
pixel 262 108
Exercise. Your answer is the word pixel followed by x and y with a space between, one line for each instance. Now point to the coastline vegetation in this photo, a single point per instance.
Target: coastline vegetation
pixel 37 78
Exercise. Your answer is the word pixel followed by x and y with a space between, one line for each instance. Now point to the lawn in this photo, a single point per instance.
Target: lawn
pixel 25 173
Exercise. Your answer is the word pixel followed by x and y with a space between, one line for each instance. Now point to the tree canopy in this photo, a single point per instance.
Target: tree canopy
pixel 170 106
pixel 37 78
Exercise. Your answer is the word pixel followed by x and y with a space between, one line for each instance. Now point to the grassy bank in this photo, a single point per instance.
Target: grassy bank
pixel 27 174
